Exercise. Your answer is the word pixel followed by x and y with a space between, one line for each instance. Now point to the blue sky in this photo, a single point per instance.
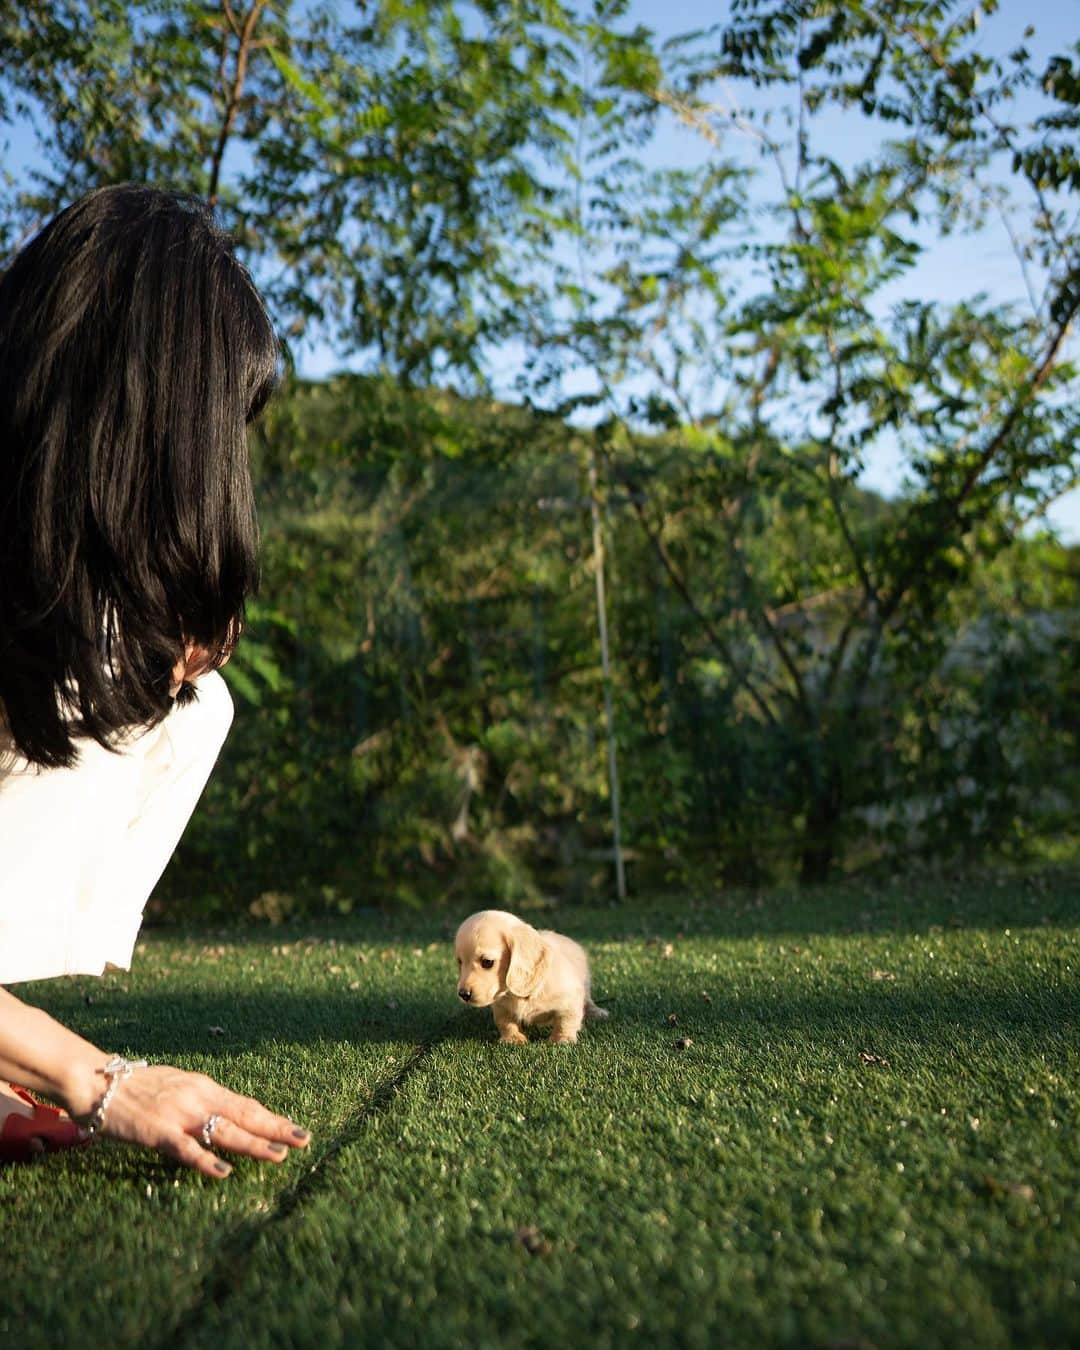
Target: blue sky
pixel 950 269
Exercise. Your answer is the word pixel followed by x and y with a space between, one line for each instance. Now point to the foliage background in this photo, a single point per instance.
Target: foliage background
pixel 419 695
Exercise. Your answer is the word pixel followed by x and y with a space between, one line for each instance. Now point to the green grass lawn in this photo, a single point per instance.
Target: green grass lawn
pixel 870 1140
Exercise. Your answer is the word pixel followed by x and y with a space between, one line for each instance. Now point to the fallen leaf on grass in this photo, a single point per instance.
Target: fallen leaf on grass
pixel 672 1018
pixel 996 1187
pixel 683 1043
pixel 533 1240
pixel 868 1058
pixel 882 975
pixel 706 996
pixel 216 1031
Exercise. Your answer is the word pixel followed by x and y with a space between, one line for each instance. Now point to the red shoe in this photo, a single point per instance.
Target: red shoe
pixel 48 1130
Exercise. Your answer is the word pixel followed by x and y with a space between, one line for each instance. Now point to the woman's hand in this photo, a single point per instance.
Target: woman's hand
pixel 160 1107
pixel 196 660
pixel 166 1109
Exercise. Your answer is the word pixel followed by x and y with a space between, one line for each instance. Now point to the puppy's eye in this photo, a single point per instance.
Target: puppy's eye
pixel 487 962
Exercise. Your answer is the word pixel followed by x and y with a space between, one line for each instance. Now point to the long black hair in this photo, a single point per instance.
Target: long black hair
pixel 134 351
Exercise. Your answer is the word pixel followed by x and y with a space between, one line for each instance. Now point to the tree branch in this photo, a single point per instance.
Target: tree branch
pixel 234 94
pixel 715 637
pixel 910 575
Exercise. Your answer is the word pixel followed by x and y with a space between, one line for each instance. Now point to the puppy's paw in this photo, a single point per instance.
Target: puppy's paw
pixel 514 1037
pixel 562 1038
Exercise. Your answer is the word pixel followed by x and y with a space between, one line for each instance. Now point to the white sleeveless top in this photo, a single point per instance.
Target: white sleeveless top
pixel 81 849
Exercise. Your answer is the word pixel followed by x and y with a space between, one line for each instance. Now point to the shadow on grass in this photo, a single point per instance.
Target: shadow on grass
pixel 162 1023
pixel 234 1021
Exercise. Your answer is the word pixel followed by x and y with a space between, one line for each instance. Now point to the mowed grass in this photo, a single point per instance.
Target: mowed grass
pixel 866 1138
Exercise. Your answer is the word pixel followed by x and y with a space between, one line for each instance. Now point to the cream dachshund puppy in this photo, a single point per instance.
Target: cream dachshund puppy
pixel 524 976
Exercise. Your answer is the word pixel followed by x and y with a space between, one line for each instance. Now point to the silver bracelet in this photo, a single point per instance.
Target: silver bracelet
pixel 115 1072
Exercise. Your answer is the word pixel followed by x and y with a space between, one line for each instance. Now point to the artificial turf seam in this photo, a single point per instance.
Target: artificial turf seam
pixel 230 1263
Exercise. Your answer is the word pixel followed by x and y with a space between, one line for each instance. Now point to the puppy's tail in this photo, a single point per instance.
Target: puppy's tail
pixel 593 1012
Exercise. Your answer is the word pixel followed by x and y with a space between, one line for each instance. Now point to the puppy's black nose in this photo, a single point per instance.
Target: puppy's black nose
pixel 465 995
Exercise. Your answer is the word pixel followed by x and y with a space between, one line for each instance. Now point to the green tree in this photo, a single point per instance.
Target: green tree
pixel 764 338
pixel 372 161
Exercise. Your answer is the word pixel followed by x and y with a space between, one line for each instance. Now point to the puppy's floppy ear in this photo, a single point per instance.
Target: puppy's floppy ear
pixel 528 960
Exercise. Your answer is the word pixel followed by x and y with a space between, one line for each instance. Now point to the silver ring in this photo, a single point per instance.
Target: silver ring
pixel 208 1130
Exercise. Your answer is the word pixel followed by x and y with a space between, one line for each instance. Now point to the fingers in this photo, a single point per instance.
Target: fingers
pixel 196 660
pixel 177 678
pixel 254 1117
pixel 228 1135
pixel 186 1150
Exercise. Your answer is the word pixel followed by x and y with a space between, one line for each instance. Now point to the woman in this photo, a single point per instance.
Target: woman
pixel 134 352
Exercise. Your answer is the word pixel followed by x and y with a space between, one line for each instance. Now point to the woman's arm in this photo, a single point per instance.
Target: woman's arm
pixel 159 1107
pixel 38 1053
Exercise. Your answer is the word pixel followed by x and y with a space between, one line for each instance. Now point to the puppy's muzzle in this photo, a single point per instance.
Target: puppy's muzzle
pixel 465 995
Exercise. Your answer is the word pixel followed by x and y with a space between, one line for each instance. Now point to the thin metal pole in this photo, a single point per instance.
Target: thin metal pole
pixel 605 663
